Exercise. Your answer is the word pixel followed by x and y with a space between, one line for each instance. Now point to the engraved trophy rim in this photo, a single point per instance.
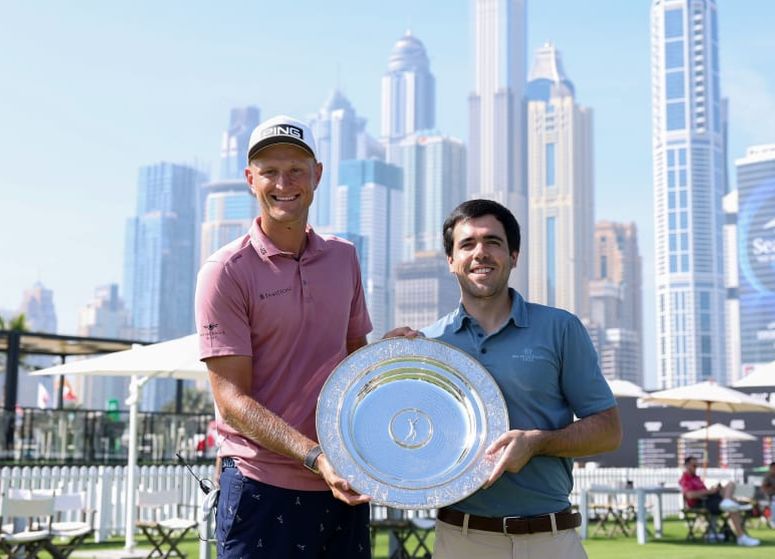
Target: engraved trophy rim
pixel 407 421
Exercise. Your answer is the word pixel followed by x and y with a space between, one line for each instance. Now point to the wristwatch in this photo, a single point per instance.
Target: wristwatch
pixel 312 457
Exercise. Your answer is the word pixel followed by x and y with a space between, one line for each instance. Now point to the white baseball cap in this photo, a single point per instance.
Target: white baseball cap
pixel 281 129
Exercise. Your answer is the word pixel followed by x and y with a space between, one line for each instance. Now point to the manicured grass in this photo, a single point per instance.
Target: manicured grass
pixel 672 546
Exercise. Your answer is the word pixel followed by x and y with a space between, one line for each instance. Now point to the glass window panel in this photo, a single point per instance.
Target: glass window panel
pixel 550 164
pixel 676 117
pixel 674 55
pixel 674 85
pixel 674 23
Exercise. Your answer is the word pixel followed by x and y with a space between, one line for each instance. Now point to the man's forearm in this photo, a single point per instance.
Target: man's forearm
pixel 267 429
pixel 601 432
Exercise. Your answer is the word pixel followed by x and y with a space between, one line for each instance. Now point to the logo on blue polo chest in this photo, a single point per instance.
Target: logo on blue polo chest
pixel 526 356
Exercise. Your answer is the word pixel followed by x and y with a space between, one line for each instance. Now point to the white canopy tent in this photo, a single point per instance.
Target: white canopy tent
pixel 762 375
pixel 626 389
pixel 177 359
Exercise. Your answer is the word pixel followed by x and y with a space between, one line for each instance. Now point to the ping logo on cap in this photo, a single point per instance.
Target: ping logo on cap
pixel 284 130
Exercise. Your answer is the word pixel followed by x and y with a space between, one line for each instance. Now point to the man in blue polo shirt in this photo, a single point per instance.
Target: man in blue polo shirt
pixel 545 364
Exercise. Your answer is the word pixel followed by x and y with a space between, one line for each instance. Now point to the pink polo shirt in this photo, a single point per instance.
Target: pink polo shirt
pixel 293 317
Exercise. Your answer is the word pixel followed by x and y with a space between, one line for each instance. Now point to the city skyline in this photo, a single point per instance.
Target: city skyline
pixel 98 114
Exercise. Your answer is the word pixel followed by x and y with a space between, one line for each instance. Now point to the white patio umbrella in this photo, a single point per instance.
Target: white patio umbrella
pixel 708 396
pixel 178 359
pixel 763 375
pixel 626 389
pixel 717 432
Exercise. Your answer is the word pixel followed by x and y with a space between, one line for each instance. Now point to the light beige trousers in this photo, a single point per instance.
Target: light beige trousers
pixel 451 543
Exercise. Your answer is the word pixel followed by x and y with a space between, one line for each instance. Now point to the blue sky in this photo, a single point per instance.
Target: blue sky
pixel 92 90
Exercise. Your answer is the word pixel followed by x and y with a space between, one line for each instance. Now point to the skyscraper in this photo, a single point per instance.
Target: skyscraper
pixel 615 300
pixel 234 145
pixel 369 205
pixel 408 93
pixel 105 316
pixel 160 258
pixel 40 314
pixel 689 183
pixel 496 123
pixel 425 290
pixel 227 215
pixel 560 187
pixel 756 254
pixel 38 308
pixel 339 132
pixel 434 183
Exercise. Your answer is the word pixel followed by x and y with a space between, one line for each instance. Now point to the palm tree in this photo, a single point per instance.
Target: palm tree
pixel 16 323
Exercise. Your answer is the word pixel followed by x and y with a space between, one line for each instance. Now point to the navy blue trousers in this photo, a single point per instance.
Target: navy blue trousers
pixel 256 520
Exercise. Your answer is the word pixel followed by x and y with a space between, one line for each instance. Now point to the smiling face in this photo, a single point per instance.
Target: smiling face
pixel 283 179
pixel 480 258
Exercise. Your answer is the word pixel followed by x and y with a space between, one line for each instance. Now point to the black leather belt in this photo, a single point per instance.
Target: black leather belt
pixel 515 525
pixel 227 462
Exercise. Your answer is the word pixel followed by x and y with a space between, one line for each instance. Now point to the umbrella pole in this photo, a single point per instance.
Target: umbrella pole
pixel 135 390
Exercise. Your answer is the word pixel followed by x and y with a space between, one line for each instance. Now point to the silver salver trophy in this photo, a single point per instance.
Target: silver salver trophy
pixel 407 421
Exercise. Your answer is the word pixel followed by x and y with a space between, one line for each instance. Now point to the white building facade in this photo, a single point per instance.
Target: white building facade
pixel 496 148
pixel 560 188
pixel 688 127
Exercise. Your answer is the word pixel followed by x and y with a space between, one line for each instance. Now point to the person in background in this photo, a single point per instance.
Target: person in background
pixel 715 500
pixel 768 488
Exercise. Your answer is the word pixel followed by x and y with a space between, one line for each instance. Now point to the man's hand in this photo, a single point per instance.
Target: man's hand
pixel 339 486
pixel 517 448
pixel 403 332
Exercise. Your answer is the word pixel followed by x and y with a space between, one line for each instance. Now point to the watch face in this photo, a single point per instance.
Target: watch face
pixel 407 421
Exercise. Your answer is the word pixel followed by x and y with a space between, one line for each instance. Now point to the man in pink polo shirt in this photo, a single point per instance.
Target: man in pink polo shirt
pixel 276 311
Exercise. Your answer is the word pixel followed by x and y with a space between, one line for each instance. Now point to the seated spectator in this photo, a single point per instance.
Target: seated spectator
pixel 768 488
pixel 716 500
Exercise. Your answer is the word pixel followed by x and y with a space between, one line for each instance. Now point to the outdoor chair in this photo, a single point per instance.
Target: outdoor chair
pixel 161 521
pixel 701 524
pixel 28 525
pixel 67 533
pixel 609 520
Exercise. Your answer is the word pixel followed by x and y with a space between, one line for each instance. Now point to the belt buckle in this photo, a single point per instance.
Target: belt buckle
pixel 505 521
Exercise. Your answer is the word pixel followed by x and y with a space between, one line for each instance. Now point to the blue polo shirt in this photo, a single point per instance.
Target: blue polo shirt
pixel 547 368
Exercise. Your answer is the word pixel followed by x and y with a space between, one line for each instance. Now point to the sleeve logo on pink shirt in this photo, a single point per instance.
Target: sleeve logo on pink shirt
pixel 275 293
pixel 211 330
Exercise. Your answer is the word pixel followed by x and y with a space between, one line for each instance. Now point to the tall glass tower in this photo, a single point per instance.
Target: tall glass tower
pixel 369 206
pixel 434 184
pixel 496 134
pixel 689 173
pixel 408 92
pixel 338 131
pixel 159 261
pixel 234 145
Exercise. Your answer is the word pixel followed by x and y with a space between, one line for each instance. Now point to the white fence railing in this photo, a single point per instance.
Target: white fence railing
pixel 105 486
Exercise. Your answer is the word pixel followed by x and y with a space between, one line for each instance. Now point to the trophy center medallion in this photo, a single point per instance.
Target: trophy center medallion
pixel 411 428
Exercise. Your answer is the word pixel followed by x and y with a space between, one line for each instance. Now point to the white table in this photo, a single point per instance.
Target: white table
pixel 640 494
